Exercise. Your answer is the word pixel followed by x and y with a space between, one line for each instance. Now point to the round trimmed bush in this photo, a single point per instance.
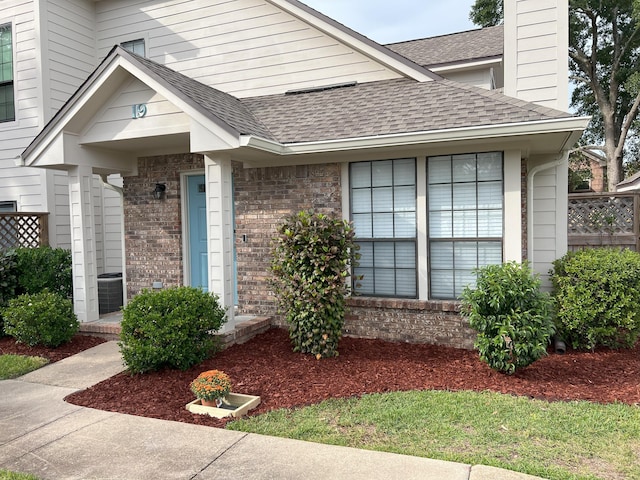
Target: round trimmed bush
pixel 169 328
pixel 597 293
pixel 512 315
pixel 44 268
pixel 43 318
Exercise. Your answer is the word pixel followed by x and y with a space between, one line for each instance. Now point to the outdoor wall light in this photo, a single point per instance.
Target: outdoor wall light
pixel 159 191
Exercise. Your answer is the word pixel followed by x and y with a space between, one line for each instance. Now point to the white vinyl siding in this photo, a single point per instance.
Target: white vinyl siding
pixel 70 48
pixel 115 122
pixel 536 41
pixel 59 214
pixel 545 222
pixel 482 78
pixel 247 47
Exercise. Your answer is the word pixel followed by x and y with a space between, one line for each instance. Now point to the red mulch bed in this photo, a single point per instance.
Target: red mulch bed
pixel 78 343
pixel 266 366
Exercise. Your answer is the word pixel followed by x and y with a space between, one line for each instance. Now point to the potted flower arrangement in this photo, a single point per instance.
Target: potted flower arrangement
pixel 211 387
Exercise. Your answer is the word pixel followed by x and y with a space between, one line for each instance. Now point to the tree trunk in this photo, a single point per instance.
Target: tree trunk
pixel 615 173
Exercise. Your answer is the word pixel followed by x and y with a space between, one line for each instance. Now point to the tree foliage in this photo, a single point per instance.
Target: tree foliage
pixel 487 13
pixel 604 49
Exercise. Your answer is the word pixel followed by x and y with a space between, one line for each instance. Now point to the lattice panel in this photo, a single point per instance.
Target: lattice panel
pixel 610 215
pixel 20 231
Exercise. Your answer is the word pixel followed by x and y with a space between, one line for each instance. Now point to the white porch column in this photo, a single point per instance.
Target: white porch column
pixel 513 206
pixel 218 177
pixel 83 244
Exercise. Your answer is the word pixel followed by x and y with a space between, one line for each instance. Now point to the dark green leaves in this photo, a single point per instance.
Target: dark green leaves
pixel 310 264
pixel 512 316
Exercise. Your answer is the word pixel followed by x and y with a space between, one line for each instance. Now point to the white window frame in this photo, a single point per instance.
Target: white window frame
pixel 512 212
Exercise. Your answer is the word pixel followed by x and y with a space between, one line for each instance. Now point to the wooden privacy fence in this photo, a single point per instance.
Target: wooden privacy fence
pixel 21 229
pixel 605 219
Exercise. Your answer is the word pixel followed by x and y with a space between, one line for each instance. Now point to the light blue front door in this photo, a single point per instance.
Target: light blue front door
pixel 197 210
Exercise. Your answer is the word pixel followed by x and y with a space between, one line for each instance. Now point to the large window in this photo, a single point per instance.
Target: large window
pixel 383 211
pixel 7 108
pixel 465 195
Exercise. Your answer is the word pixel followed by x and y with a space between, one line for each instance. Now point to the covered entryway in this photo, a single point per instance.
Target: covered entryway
pixel 134 119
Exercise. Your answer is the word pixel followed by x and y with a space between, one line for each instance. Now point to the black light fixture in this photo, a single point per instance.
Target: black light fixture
pixel 159 191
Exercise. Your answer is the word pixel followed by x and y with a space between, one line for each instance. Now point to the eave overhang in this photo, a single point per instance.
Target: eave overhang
pixel 571 127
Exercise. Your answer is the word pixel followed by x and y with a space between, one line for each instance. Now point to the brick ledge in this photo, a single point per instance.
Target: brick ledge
pixel 405 304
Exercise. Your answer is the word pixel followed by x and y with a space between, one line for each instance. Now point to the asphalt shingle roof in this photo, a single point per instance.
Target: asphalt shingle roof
pixel 226 107
pixel 456 47
pixel 389 107
pixel 360 110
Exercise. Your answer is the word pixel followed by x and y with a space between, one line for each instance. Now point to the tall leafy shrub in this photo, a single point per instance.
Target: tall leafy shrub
pixel 169 328
pixel 44 268
pixel 44 318
pixel 8 280
pixel 310 267
pixel 512 315
pixel 597 293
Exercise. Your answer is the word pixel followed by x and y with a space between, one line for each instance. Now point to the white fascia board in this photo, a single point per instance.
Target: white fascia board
pixel 573 126
pixel 203 139
pixel 71 110
pixel 179 102
pixel 355 40
pixel 107 73
pixel 454 67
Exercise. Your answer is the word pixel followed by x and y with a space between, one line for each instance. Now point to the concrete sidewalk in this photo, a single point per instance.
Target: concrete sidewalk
pixel 43 435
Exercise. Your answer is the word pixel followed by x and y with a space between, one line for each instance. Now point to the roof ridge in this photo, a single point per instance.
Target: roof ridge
pixel 442 35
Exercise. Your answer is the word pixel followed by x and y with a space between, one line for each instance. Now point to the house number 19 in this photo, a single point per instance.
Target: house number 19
pixel 139 110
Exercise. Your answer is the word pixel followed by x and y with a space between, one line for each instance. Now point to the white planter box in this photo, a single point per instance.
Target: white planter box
pixel 237 406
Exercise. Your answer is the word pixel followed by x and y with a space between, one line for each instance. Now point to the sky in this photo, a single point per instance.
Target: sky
pixel 394 21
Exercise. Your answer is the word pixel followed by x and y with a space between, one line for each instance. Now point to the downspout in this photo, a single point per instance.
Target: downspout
pixel 120 192
pixel 530 178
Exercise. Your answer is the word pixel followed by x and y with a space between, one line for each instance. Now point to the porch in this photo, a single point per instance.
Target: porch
pixel 246 327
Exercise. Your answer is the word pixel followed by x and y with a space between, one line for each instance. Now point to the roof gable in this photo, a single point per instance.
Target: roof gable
pixel 222 115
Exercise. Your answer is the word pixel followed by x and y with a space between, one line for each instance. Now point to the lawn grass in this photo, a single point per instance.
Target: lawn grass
pixel 12 366
pixel 7 475
pixel 555 440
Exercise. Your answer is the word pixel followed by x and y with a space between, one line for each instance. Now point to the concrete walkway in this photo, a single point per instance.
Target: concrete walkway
pixel 43 435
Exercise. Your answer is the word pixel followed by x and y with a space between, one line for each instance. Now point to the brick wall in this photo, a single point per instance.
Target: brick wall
pixel 413 321
pixel 153 228
pixel 265 196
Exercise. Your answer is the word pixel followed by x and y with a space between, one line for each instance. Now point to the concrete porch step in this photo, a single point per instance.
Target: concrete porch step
pixel 247 327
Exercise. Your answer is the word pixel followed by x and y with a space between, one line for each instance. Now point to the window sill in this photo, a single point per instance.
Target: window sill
pixel 405 304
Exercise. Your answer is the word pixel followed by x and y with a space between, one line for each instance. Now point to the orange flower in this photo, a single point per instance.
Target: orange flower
pixel 211 384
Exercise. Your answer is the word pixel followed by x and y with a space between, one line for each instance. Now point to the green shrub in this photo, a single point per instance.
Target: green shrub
pixel 512 315
pixel 169 328
pixel 44 268
pixel 43 318
pixel 597 293
pixel 310 267
pixel 8 280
